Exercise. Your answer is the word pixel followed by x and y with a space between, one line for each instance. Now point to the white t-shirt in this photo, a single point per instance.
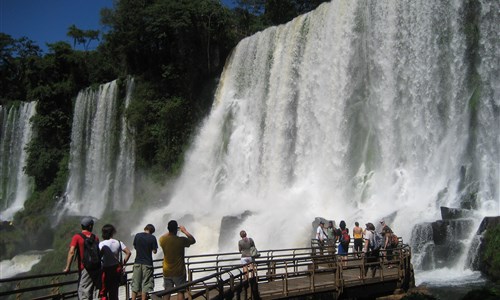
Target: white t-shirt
pixel 320 234
pixel 111 252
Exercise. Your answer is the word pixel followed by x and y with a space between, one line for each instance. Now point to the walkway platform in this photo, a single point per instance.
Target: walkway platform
pixel 277 274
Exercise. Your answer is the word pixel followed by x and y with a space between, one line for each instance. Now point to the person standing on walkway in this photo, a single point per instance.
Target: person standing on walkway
pixel 387 233
pixel 370 251
pixel 174 267
pixel 321 236
pixel 244 246
pixel 331 234
pixel 112 264
pixel 344 241
pixel 358 238
pixel 142 278
pixel 88 280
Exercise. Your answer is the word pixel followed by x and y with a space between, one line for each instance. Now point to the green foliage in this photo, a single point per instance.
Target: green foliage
pixel 10 241
pixel 162 128
pixel 185 38
pixel 174 49
pixel 418 296
pixel 82 37
pixel 482 294
pixel 491 259
pixel 18 57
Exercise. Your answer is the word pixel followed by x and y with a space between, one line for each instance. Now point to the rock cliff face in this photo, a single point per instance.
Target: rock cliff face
pixel 439 244
pixel 485 266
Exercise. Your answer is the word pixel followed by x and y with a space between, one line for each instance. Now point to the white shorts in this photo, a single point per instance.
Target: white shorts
pixel 246 260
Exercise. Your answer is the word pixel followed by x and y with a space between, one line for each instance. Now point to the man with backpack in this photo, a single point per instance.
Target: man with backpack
pixel 390 241
pixel 371 250
pixel 86 247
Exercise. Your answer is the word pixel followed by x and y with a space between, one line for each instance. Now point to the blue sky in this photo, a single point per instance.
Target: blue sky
pixel 47 21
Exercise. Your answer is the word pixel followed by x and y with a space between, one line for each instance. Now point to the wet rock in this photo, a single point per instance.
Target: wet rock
pixel 448 213
pixel 488 222
pixel 230 226
pixel 478 261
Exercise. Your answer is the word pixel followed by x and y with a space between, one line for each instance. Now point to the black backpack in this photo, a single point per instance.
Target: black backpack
pixel 91 257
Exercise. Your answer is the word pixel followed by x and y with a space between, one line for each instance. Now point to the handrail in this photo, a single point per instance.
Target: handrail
pixel 274 264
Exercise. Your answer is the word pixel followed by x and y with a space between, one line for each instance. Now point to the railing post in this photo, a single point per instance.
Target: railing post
pixel 127 290
pixel 55 290
pixel 220 287
pixel 18 286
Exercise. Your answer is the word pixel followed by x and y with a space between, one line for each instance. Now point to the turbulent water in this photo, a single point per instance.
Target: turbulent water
pixel 16 132
pixel 20 263
pixel 359 110
pixel 102 157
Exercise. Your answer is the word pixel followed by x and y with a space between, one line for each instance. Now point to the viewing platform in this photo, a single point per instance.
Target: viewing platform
pixel 278 274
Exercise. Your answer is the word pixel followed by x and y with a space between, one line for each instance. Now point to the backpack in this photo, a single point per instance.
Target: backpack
pixel 91 257
pixel 377 241
pixel 394 240
pixel 345 238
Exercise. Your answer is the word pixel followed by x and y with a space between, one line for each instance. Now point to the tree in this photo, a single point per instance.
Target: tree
pixel 282 11
pixel 18 59
pixel 253 6
pixel 276 12
pixel 82 37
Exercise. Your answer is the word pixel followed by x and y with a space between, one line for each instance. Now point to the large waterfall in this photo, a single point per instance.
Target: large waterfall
pixel 359 110
pixel 16 132
pixel 102 157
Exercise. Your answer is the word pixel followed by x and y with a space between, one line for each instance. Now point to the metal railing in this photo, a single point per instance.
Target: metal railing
pixel 218 275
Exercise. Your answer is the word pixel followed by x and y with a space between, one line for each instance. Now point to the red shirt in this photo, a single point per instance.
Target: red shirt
pixel 77 242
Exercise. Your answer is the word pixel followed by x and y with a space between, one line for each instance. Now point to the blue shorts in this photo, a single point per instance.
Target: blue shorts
pixel 341 250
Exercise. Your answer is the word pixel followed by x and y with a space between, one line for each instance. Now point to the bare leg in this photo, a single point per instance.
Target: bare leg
pixel 134 295
pixel 180 296
pixel 166 297
pixel 245 271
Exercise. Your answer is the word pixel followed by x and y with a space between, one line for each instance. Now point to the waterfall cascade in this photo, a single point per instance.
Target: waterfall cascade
pixel 16 132
pixel 102 158
pixel 358 110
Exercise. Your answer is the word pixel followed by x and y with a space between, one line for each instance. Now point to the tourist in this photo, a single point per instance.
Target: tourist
pixel 371 253
pixel 142 278
pixel 88 277
pixel 344 240
pixel 244 247
pixel 358 238
pixel 112 263
pixel 331 234
pixel 387 234
pixel 321 236
pixel 174 268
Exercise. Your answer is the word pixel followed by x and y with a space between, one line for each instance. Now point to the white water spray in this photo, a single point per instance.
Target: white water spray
pixel 16 132
pixel 102 159
pixel 356 111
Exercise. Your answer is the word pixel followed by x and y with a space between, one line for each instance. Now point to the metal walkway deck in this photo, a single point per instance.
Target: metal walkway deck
pixel 277 274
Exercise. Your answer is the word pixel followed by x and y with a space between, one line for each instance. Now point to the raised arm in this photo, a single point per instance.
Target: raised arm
pixel 188 235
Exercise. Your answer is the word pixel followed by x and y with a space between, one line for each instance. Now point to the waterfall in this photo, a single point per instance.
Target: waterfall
pixel 16 132
pixel 357 111
pixel 102 157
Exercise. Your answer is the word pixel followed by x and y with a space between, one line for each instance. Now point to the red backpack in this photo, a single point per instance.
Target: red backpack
pixel 345 238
